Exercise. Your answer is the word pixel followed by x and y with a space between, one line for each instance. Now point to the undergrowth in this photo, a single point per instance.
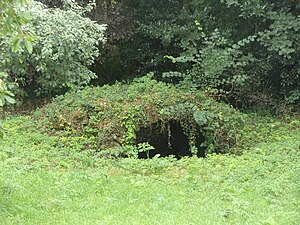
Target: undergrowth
pixel 108 118
pixel 44 181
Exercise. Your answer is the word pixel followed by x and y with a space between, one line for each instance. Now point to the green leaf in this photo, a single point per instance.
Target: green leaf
pixel 3 74
pixel 28 46
pixel 10 99
pixel 26 16
pixel 200 117
pixel 235 46
pixel 16 44
pixel 9 93
pixel 1 131
pixel 2 101
pixel 4 30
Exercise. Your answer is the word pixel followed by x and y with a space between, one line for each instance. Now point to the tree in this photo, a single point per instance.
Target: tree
pixel 67 42
pixel 249 50
pixel 12 27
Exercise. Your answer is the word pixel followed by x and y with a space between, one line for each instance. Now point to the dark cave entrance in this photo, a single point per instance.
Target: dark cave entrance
pixel 168 142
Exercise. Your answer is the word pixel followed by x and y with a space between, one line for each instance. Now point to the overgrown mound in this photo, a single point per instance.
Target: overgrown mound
pixel 144 118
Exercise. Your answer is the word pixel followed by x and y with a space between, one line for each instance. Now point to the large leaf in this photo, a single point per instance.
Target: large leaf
pixel 10 99
pixel 28 46
pixel 16 44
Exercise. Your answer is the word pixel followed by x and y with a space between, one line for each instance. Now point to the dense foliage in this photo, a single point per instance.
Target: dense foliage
pixel 66 44
pixel 248 48
pixel 12 28
pixel 246 55
pixel 74 161
pixel 111 116
pixel 246 51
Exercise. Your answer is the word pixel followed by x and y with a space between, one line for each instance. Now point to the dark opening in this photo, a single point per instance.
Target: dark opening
pixel 172 142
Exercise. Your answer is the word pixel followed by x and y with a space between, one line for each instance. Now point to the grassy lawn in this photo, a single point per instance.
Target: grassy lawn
pixel 43 181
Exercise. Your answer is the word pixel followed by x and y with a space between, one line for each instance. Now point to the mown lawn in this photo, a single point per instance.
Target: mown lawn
pixel 45 182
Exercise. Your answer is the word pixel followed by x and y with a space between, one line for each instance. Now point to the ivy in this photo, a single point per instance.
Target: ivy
pixel 113 115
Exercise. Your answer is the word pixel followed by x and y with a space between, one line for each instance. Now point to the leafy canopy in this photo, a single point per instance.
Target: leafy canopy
pixel 66 45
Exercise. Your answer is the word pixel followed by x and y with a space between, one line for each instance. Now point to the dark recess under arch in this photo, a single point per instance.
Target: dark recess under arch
pixel 176 144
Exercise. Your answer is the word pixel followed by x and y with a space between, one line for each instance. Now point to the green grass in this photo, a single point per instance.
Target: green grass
pixel 44 180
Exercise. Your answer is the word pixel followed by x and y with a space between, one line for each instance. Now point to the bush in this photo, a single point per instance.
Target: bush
pixel 66 44
pixel 249 51
pixel 111 117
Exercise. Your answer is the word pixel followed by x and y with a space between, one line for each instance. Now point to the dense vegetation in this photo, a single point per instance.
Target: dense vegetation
pixel 43 181
pixel 66 44
pixel 247 51
pixel 112 117
pixel 247 55
pixel 158 112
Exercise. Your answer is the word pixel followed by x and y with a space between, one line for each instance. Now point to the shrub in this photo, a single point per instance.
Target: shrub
pixel 112 116
pixel 249 51
pixel 66 44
